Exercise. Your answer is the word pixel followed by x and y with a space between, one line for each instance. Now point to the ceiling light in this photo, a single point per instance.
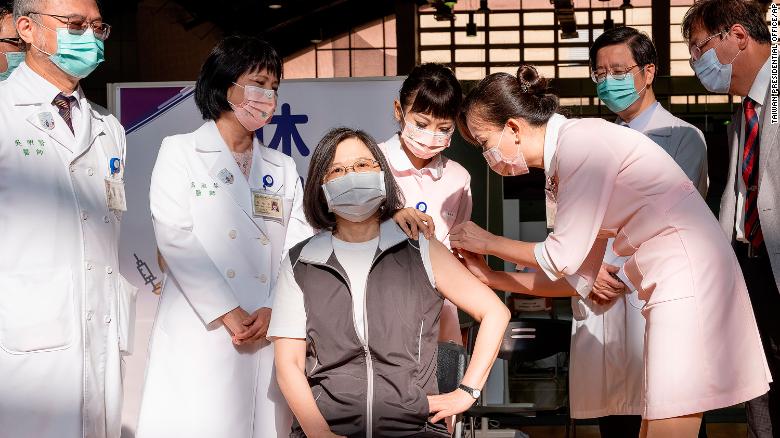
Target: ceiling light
pixel 275 4
pixel 317 39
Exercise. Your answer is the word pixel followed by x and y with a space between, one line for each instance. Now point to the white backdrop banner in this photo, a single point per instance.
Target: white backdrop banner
pixel 152 111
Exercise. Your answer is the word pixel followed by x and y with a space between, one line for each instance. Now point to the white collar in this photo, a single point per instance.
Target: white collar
pixel 761 83
pixel 39 90
pixel 400 162
pixel 641 121
pixel 551 139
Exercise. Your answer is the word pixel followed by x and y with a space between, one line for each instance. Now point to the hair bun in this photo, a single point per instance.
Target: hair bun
pixel 530 81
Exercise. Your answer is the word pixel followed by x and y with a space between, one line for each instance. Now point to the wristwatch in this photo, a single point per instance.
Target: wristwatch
pixel 474 393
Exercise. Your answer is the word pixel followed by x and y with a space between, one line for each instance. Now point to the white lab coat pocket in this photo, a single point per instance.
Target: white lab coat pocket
pixel 37 311
pixel 633 299
pixel 126 314
pixel 579 309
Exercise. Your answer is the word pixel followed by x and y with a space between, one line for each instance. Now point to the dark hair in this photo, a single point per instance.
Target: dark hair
pixel 719 15
pixel 315 206
pixel 501 96
pixel 641 46
pixel 432 89
pixel 6 7
pixel 232 57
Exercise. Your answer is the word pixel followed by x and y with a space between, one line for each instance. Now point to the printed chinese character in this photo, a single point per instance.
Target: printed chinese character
pixel 287 132
pixel 26 152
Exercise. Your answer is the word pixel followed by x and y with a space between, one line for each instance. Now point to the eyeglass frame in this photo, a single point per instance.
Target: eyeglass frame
pixel 706 41
pixel 374 164
pixel 65 19
pixel 16 41
pixel 610 73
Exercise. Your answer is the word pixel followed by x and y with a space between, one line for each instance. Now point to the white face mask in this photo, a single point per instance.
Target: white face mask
pixel 355 196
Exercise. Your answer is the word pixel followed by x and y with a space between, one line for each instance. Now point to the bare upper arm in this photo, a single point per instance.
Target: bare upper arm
pixel 290 351
pixel 458 285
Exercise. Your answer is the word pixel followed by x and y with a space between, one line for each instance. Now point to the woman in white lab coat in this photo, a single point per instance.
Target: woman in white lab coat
pixel 225 211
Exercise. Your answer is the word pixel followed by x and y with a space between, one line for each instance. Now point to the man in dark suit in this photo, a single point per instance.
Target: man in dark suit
pixel 730 49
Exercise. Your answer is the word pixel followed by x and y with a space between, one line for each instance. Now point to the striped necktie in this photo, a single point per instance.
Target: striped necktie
pixel 750 174
pixel 63 104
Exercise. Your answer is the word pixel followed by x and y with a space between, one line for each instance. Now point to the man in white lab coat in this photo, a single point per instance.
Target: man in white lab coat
pixel 61 295
pixel 606 372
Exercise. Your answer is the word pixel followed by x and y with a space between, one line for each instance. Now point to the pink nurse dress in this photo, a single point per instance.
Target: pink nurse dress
pixel 702 347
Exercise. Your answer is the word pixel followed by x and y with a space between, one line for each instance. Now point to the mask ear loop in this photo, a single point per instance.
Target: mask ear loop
pixel 645 87
pixel 721 42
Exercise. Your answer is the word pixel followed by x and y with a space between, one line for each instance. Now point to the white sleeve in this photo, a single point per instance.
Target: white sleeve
pixel 298 228
pixel 201 281
pixel 288 317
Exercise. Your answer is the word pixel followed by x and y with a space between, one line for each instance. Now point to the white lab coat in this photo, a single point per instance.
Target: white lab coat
pixel 606 366
pixel 219 257
pixel 62 300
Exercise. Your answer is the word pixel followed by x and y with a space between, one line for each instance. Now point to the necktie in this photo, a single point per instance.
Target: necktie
pixel 63 104
pixel 750 174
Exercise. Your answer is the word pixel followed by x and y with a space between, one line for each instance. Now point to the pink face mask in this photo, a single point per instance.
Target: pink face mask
pixel 425 144
pixel 257 108
pixel 502 165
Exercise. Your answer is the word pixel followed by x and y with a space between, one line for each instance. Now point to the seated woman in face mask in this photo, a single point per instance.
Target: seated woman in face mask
pixel 355 322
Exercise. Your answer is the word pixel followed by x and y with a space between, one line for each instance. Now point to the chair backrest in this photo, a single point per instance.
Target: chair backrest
pixel 450 366
pixel 530 339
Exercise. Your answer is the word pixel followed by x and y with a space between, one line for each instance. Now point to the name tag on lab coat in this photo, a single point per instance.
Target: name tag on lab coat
pixel 115 194
pixel 267 206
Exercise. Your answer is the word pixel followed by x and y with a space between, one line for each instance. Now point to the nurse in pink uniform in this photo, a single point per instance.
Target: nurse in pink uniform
pixel 702 348
pixel 426 110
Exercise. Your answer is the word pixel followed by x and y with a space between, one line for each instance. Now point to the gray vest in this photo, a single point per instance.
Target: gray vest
pixel 378 388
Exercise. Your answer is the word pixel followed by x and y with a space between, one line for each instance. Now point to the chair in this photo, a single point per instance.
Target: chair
pixel 527 340
pixel 450 368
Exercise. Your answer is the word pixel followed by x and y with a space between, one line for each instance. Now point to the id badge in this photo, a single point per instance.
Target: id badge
pixel 267 206
pixel 115 194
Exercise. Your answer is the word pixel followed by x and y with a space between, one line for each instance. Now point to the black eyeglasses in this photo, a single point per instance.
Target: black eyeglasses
pixel 78 24
pixel 18 42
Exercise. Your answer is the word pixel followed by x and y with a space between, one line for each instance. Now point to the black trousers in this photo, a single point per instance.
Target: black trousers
pixel 763 413
pixel 627 426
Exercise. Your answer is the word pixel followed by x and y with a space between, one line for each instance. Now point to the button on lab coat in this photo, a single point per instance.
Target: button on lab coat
pixel 61 295
pixel 219 256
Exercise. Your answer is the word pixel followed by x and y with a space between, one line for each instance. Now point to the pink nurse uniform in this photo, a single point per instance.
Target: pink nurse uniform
pixel 702 348
pixel 442 189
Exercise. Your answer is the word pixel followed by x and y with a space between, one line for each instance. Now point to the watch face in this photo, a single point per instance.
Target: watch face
pixel 476 393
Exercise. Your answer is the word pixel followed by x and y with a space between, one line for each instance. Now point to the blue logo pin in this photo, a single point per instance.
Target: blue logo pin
pixel 113 165
pixel 268 181
pixel 422 206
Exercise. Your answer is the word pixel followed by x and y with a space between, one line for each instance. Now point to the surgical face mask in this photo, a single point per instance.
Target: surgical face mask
pixel 77 54
pixel 257 107
pixel 505 166
pixel 13 59
pixel 355 196
pixel 713 75
pixel 618 94
pixel 424 144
